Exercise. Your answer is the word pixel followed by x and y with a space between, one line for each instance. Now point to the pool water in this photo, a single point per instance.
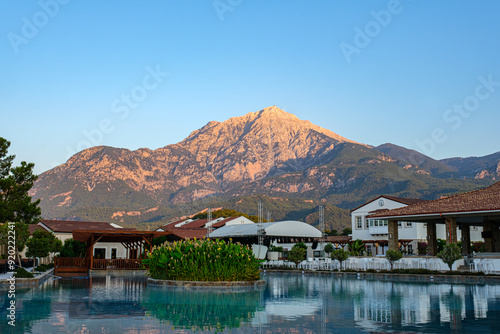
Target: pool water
pixel 289 303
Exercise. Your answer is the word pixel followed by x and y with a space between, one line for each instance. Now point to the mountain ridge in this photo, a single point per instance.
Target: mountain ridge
pixel 269 152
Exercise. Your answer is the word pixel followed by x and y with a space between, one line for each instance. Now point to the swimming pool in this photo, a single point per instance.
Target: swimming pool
pixel 299 303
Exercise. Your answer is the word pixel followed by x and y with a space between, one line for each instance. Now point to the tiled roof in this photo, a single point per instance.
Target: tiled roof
pixel 223 222
pixel 67 226
pixel 189 233
pixel 407 201
pixel 33 227
pixel 338 238
pixel 194 229
pixel 198 223
pixel 486 199
pixel 164 227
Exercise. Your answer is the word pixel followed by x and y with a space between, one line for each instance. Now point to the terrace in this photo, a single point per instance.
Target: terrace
pixel 133 241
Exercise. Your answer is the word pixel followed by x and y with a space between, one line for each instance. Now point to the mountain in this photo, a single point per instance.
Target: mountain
pixel 487 167
pixel 291 164
pixel 406 156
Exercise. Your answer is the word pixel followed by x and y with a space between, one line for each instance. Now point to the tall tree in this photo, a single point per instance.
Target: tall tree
pixel 16 204
pixel 15 182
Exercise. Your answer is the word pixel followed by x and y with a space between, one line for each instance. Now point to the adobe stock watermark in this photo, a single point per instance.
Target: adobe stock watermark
pixel 455 115
pixel 31 26
pixel 121 108
pixel 363 36
pixel 11 293
pixel 224 6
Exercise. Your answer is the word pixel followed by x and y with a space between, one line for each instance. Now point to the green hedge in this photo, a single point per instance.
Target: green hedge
pixel 42 267
pixel 202 260
pixel 22 273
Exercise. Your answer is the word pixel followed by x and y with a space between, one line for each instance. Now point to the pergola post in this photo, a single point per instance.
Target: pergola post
pixel 489 245
pixel 431 239
pixel 392 229
pixel 451 230
pixel 91 266
pixel 465 229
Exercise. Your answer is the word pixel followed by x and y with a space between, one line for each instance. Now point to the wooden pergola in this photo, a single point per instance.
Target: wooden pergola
pixel 130 239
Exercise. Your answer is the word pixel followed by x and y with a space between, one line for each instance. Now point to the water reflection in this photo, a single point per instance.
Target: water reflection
pixel 385 305
pixel 202 309
pixel 288 303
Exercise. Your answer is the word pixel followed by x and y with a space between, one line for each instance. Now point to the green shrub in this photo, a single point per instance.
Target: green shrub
pixel 422 248
pixel 339 255
pixel 357 247
pixel 301 245
pixel 22 273
pixel 393 256
pixel 297 254
pixel 42 267
pixel 202 260
pixel 440 244
pixel 278 249
pixel 328 248
pixel 73 248
pixel 450 254
pixel 415 271
pixel 478 247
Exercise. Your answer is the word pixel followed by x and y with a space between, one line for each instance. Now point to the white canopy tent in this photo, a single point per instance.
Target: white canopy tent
pixel 287 228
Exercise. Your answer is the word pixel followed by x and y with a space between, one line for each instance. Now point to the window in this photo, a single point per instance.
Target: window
pixel 474 228
pixel 366 224
pixel 99 253
pixel 359 224
pixel 113 253
pixel 371 222
pixel 369 249
pixel 399 224
pixel 410 249
pixel 408 224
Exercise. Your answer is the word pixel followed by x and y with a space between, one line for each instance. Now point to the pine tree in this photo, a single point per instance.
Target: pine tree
pixel 16 205
pixel 15 182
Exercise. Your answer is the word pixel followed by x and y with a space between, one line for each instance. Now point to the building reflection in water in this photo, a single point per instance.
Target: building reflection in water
pixel 379 305
pixel 288 303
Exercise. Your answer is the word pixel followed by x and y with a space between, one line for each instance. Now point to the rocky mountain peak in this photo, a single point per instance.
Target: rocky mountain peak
pixel 211 159
pixel 274 112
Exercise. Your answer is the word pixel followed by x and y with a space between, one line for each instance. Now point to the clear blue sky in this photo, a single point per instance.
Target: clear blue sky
pixel 371 71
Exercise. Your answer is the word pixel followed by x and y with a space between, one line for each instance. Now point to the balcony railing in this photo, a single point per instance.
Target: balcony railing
pixel 79 264
pixel 70 264
pixel 378 230
pixel 129 264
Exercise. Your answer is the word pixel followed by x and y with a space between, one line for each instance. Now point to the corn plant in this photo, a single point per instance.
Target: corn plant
pixel 202 260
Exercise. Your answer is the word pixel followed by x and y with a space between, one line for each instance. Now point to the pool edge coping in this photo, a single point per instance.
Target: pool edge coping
pixel 207 284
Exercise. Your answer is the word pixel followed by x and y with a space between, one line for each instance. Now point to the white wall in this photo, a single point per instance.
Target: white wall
pixel 364 233
pixel 239 221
